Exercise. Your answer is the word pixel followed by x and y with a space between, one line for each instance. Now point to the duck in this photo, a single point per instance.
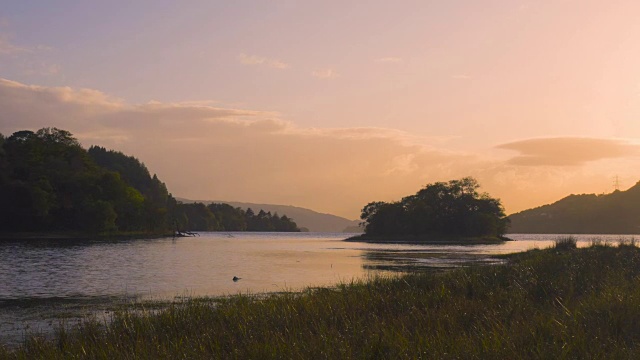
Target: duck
pixel 235 278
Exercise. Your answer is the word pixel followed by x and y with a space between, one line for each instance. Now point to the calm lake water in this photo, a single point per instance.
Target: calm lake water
pixel 42 281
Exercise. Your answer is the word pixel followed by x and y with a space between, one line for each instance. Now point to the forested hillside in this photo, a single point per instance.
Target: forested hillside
pixel 48 182
pixel 615 213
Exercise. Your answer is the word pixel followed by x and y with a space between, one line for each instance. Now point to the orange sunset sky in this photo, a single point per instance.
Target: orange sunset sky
pixel 332 104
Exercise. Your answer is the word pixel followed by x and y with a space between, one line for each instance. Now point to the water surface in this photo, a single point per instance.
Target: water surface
pixel 44 280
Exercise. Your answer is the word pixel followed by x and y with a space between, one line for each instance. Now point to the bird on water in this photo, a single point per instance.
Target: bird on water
pixel 235 278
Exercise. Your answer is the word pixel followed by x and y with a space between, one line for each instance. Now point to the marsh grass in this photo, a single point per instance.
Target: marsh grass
pixel 551 304
pixel 624 242
pixel 599 242
pixel 566 243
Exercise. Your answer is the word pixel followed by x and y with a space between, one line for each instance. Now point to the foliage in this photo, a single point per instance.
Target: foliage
pixel 230 218
pixel 544 304
pixel 48 182
pixel 453 208
pixel 265 221
pixel 51 183
pixel 196 217
pixel 224 217
pixel 156 211
pixel 615 213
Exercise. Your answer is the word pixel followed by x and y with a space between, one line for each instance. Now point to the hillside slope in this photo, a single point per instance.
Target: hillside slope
pixel 615 213
pixel 305 218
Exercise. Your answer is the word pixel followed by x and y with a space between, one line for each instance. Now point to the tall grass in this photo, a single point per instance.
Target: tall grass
pixel 543 304
pixel 566 243
pixel 628 242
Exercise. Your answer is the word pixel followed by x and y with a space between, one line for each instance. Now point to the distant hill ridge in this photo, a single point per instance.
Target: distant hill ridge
pixel 614 213
pixel 305 218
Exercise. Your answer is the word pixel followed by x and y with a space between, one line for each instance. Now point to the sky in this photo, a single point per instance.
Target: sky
pixel 329 104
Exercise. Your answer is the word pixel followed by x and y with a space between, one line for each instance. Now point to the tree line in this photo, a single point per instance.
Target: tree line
pixel 48 182
pixel 453 208
pixel 224 217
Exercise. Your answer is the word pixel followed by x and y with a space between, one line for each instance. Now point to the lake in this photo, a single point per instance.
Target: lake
pixel 43 281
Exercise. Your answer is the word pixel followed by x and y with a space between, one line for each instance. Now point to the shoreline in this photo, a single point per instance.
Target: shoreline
pixel 78 236
pixel 70 235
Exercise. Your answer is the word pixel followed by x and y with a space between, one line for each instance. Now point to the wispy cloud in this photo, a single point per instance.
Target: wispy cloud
pixel 389 60
pixel 568 151
pixel 324 73
pixel 9 48
pixel 41 68
pixel 27 60
pixel 261 61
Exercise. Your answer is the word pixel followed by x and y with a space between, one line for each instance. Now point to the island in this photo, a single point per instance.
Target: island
pixel 452 212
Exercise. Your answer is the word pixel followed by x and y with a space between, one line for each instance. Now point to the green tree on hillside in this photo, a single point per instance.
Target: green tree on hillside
pixel 196 217
pixel 231 219
pixel 49 182
pixel 156 210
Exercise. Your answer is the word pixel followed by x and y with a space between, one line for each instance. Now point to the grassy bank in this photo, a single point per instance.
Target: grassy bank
pixel 555 303
pixel 428 239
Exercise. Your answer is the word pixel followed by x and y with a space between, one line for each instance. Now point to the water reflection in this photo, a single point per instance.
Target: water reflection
pixel 411 261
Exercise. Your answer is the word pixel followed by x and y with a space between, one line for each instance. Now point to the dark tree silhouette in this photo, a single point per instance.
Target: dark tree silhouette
pixel 453 208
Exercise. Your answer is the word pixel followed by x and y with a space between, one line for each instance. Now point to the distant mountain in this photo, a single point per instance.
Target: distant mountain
pixel 615 213
pixel 304 218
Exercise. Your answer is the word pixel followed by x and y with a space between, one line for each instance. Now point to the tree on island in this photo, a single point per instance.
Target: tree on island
pixel 451 209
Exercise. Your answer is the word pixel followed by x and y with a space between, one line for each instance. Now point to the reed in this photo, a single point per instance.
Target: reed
pixel 566 243
pixel 543 304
